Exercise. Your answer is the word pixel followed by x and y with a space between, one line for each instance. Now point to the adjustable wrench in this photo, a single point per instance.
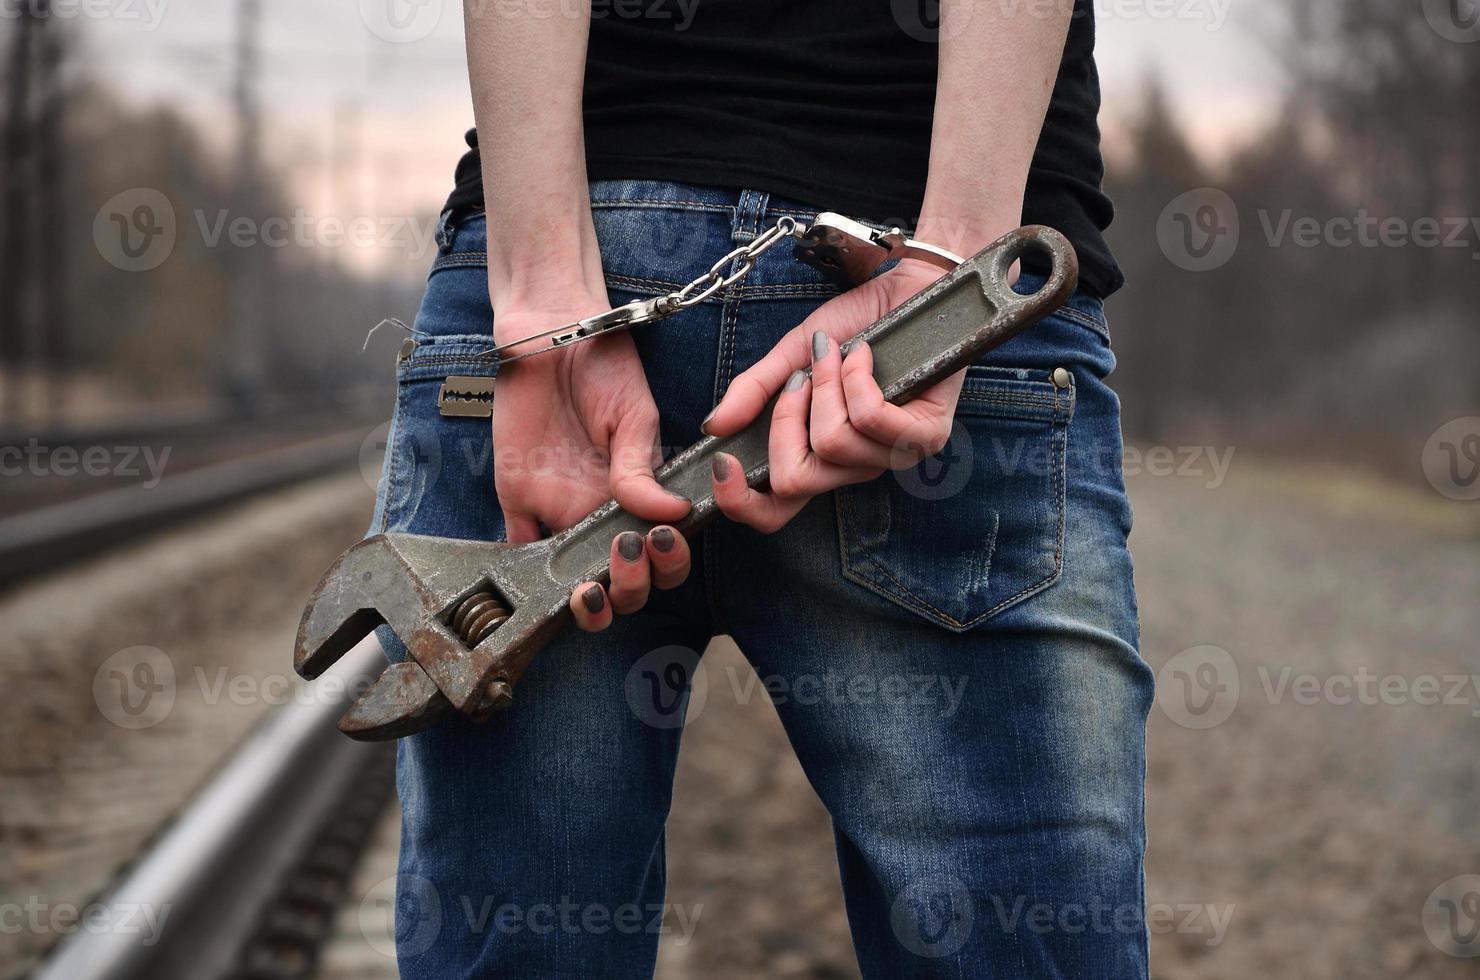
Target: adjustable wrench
pixel 473 614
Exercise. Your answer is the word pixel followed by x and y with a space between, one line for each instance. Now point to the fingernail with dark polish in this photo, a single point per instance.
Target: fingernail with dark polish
pixel 593 599
pixel 629 545
pixel 797 379
pixel 721 468
pixel 663 539
pixel 819 345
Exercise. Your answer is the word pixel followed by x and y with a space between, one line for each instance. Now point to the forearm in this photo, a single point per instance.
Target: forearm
pixel 526 63
pixel 996 71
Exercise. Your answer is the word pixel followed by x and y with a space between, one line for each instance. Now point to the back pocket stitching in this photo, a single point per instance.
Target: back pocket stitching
pixel 1061 448
pixel 392 440
pixel 1062 414
pixel 909 596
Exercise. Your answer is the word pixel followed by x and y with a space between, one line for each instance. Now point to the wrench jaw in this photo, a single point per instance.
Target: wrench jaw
pixel 375 582
pixel 418 585
pixel 386 579
pixel 405 699
pixel 402 701
pixel 339 614
pixel 406 581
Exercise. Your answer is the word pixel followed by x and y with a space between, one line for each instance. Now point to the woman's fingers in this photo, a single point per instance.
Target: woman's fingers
pixel 753 387
pixel 631 574
pixel 634 453
pixel 763 511
pixel 590 606
pixel 660 558
pixel 796 471
pixel 910 433
pixel 520 528
pixel 668 554
pixel 830 432
pixel 839 318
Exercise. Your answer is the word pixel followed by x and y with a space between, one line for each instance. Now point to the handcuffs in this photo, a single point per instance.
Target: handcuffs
pixel 846 251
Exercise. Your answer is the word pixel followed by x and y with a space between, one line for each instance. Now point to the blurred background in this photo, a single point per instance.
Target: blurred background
pixel 205 208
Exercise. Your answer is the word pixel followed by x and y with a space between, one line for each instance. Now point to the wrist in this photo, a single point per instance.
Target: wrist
pixel 543 310
pixel 540 305
pixel 965 234
pixel 550 291
pixel 561 287
pixel 543 257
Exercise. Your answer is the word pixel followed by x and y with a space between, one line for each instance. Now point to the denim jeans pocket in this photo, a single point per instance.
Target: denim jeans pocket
pixel 438 476
pixel 980 526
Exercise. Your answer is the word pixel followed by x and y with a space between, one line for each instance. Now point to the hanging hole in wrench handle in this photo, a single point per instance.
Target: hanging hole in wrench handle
pixel 929 337
pixel 1048 244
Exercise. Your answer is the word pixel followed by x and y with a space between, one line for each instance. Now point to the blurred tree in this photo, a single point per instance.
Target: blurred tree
pixel 15 164
pixel 159 336
pixel 1164 312
pixel 52 323
pixel 33 307
pixel 1397 101
pixel 1355 350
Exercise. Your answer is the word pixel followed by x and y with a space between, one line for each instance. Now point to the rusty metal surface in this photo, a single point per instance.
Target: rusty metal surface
pixel 416 583
pixel 849 252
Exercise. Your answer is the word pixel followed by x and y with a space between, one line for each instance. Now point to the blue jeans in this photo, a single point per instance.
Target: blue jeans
pixel 951 649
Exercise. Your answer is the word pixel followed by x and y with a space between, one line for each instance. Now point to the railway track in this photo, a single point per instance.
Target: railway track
pixel 246 878
pixel 224 464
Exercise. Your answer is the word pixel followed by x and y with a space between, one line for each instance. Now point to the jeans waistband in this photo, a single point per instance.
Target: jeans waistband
pixel 752 211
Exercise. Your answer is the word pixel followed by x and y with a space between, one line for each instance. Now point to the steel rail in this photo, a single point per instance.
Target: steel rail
pixel 41 540
pixel 245 879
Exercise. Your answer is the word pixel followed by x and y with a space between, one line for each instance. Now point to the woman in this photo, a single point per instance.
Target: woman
pixel 994 831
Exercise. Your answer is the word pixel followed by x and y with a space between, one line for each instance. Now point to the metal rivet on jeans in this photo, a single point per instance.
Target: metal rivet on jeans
pixel 1062 378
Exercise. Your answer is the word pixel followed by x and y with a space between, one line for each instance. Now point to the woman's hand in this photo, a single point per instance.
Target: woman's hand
pixel 573 428
pixel 826 432
pixel 834 428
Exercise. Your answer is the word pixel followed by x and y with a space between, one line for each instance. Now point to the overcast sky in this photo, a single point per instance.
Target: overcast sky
pixel 403 80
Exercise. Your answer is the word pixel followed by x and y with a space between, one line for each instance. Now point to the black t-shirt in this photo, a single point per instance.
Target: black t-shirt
pixel 827 103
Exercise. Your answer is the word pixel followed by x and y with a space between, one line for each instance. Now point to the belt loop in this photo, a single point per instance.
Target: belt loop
pixel 446 231
pixel 749 213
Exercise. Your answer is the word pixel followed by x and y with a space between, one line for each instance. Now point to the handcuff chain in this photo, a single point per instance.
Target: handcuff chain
pixel 660 307
pixel 716 278
pixel 847 252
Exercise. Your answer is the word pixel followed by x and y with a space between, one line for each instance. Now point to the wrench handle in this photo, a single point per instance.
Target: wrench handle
pixel 925 340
